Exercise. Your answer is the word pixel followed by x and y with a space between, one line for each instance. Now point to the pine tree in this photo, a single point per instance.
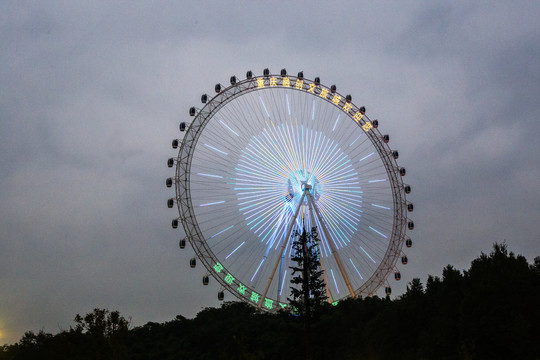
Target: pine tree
pixel 308 290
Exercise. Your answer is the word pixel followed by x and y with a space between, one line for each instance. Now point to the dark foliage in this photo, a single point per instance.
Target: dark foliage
pixel 487 312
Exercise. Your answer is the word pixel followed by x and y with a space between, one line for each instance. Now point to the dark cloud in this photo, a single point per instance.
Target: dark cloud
pixel 91 96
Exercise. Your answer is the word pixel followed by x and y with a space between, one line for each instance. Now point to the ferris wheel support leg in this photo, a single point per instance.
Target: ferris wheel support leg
pixel 278 295
pixel 285 241
pixel 325 278
pixel 333 247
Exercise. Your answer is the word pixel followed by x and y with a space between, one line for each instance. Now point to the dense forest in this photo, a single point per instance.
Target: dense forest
pixel 491 311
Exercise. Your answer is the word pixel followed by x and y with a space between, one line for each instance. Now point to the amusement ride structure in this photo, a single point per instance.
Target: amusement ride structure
pixel 270 154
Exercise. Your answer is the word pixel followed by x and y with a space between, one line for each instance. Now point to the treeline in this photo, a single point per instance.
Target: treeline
pixel 491 311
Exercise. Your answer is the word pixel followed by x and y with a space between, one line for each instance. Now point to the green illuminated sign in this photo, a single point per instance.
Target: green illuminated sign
pixel 268 303
pixel 242 289
pixel 218 267
pixel 229 279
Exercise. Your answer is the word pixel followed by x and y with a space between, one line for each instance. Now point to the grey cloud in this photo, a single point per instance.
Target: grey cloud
pixel 91 96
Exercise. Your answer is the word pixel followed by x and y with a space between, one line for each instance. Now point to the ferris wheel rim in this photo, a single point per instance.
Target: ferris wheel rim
pixel 183 176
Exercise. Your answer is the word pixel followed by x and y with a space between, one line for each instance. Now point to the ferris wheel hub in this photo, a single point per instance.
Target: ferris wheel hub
pixel 303 180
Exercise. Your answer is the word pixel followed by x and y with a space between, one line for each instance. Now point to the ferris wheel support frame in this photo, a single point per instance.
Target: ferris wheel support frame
pixel 332 247
pixel 307 194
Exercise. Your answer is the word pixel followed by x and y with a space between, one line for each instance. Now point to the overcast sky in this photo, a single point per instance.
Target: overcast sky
pixel 91 94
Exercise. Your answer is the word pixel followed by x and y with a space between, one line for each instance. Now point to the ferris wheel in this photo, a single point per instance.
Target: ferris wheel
pixel 272 154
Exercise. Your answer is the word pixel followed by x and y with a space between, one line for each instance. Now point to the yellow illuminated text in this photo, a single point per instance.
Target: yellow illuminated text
pixel 323 93
pixel 367 126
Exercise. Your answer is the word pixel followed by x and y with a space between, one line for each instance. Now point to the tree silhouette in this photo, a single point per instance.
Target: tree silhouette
pixel 103 332
pixel 489 311
pixel 308 292
pixel 415 288
pixel 102 323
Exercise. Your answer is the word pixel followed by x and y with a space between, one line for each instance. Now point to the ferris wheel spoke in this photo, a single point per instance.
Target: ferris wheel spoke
pixel 335 221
